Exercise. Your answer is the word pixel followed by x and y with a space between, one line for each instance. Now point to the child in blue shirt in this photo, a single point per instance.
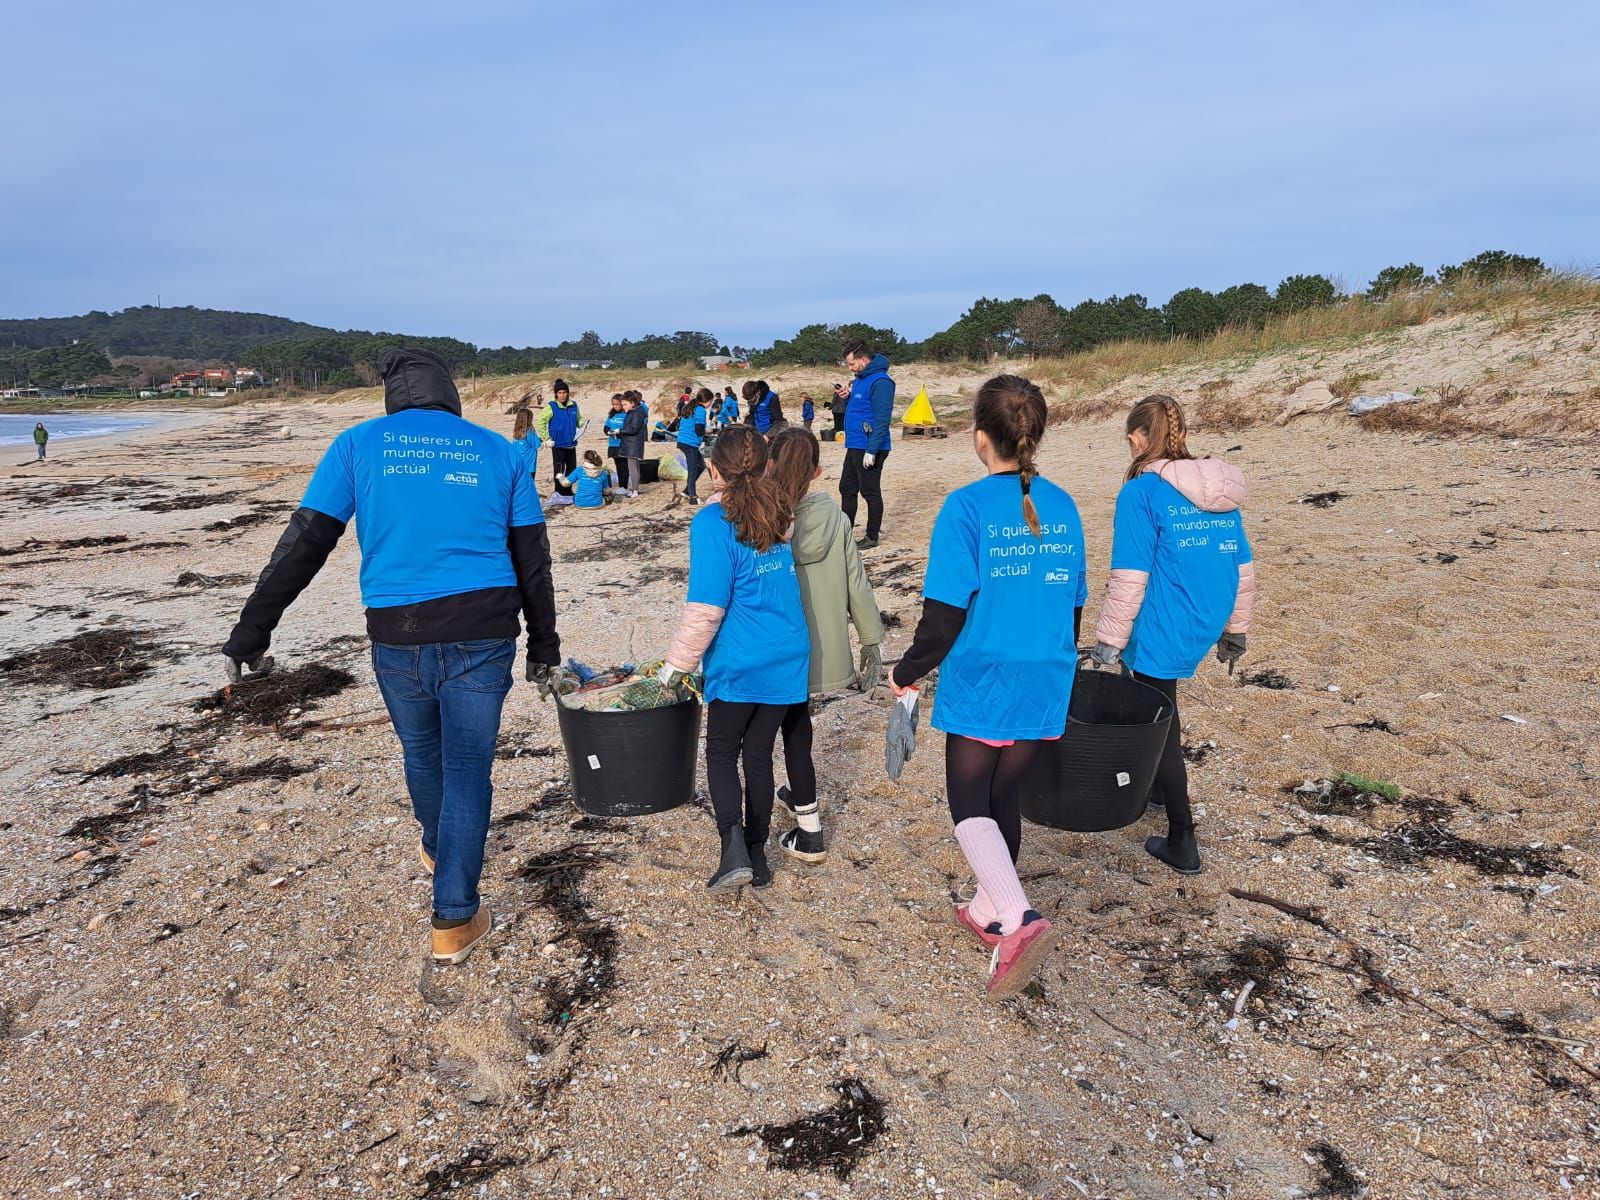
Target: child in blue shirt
pixel 744 619
pixel 1002 599
pixel 693 413
pixel 730 408
pixel 592 484
pixel 615 419
pixel 1182 581
pixel 808 412
pixel 525 441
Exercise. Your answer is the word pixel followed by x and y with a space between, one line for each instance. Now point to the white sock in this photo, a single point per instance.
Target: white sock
pixel 809 818
pixel 990 860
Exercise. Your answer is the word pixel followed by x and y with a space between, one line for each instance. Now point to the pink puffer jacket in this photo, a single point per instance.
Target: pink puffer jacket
pixel 1211 485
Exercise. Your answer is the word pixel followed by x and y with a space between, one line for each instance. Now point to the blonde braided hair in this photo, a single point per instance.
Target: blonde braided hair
pixel 1160 419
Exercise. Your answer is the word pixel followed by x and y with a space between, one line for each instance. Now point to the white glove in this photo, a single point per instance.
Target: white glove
pixel 868 459
pixel 670 677
pixel 1104 655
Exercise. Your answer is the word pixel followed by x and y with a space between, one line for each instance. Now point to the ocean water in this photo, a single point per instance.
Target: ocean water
pixel 16 429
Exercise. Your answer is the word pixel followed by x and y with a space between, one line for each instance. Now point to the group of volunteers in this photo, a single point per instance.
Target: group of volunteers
pixel 451 556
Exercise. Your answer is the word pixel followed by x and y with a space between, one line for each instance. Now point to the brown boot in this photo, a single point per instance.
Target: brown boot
pixel 453 945
pixel 427 863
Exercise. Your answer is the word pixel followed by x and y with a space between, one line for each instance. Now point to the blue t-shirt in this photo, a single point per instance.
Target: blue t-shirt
pixel 527 449
pixel 433 496
pixel 1009 675
pixel 589 491
pixel 614 429
pixel 730 410
pixel 688 434
pixel 1193 558
pixel 762 652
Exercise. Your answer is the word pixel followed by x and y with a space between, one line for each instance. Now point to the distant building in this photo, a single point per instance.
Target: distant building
pixel 584 364
pixel 720 362
pixel 652 364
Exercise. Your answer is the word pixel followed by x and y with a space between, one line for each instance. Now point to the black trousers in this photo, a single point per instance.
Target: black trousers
pixel 696 463
pixel 735 732
pixel 564 461
pixel 797 738
pixel 986 781
pixel 858 479
pixel 1172 777
pixel 619 468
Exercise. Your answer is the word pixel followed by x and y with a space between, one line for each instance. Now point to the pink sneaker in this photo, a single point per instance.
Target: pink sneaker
pixel 1018 956
pixel 964 918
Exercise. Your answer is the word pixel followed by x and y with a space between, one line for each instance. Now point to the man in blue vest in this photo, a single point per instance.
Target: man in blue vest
pixel 869 409
pixel 453 549
pixel 565 426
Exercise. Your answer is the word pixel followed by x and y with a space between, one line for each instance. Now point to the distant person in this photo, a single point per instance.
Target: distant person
pixel 41 435
pixel 450 555
pixel 808 411
pixel 762 410
pixel 564 430
pixel 836 409
pixel 835 594
pixel 1008 652
pixel 613 426
pixel 525 440
pixel 591 483
pixel 692 418
pixel 1172 596
pixel 632 441
pixel 868 411
pixel 730 408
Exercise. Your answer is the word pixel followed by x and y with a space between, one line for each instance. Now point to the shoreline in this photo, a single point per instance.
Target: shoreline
pixel 161 423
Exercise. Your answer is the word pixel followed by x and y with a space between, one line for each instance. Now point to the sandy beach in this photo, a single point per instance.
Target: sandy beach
pixel 212 929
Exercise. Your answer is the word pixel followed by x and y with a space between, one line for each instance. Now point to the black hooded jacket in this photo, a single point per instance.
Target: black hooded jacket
pixel 411 379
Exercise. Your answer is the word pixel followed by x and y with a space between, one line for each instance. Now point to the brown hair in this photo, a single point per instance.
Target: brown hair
pixel 592 457
pixel 524 423
pixel 794 463
pixel 1011 412
pixel 759 511
pixel 703 396
pixel 1166 433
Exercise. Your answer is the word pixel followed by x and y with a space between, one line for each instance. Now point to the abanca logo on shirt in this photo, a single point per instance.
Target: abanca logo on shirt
pixel 464 477
pixel 1058 577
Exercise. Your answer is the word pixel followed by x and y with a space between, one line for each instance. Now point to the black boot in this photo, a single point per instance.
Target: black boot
pixel 734 869
pixel 1178 849
pixel 760 869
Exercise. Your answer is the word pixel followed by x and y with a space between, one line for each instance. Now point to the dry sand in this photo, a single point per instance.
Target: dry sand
pixel 227 994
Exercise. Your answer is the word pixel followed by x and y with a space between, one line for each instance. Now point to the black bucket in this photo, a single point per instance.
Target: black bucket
pixel 626 764
pixel 1098 776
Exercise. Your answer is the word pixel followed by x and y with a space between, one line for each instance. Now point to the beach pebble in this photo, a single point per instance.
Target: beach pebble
pixel 83 856
pixel 96 921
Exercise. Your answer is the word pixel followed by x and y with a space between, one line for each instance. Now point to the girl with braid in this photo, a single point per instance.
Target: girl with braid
pixel 1002 600
pixel 745 620
pixel 1182 580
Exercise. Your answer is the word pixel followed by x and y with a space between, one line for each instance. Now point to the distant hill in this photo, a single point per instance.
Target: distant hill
pixel 187 333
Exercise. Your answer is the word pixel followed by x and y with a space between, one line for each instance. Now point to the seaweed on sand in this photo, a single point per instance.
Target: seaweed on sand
pixel 274 699
pixel 834 1139
pixel 99 660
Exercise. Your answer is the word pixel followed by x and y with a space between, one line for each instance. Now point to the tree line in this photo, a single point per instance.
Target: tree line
pixel 39 351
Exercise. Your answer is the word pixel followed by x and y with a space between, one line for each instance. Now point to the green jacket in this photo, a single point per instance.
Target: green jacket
pixel 834 590
pixel 40 436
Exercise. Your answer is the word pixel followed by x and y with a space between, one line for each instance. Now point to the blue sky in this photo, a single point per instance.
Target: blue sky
pixel 516 173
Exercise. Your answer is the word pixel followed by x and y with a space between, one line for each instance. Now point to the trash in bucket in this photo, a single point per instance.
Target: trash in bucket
pixel 629 762
pixel 1098 776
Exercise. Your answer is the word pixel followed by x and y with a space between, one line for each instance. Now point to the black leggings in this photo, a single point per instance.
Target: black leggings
pixel 563 461
pixel 797 755
pixel 735 730
pixel 1172 777
pixel 619 470
pixel 696 463
pixel 986 781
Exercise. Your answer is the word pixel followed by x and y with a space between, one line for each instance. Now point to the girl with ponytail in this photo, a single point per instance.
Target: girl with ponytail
pixel 744 620
pixel 1182 580
pixel 1002 599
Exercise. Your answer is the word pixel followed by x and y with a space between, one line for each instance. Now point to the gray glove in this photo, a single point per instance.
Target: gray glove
pixel 901 739
pixel 670 677
pixel 870 674
pixel 547 680
pixel 1230 649
pixel 1104 655
pixel 241 670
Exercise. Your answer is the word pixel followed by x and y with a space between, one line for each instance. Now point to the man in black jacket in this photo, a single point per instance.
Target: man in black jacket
pixel 453 546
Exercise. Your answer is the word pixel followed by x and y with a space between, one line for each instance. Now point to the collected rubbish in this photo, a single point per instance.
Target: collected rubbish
pixel 631 741
pixel 1362 405
pixel 625 688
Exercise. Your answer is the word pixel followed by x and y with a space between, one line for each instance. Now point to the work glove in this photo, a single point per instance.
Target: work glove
pixel 868 459
pixel 900 740
pixel 670 677
pixel 870 674
pixel 242 670
pixel 1230 649
pixel 1104 655
pixel 547 680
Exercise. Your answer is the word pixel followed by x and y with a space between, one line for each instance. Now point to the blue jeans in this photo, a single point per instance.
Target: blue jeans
pixel 41 451
pixel 445 701
pixel 696 463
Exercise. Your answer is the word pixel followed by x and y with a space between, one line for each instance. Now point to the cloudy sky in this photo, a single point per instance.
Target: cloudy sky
pixel 516 173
